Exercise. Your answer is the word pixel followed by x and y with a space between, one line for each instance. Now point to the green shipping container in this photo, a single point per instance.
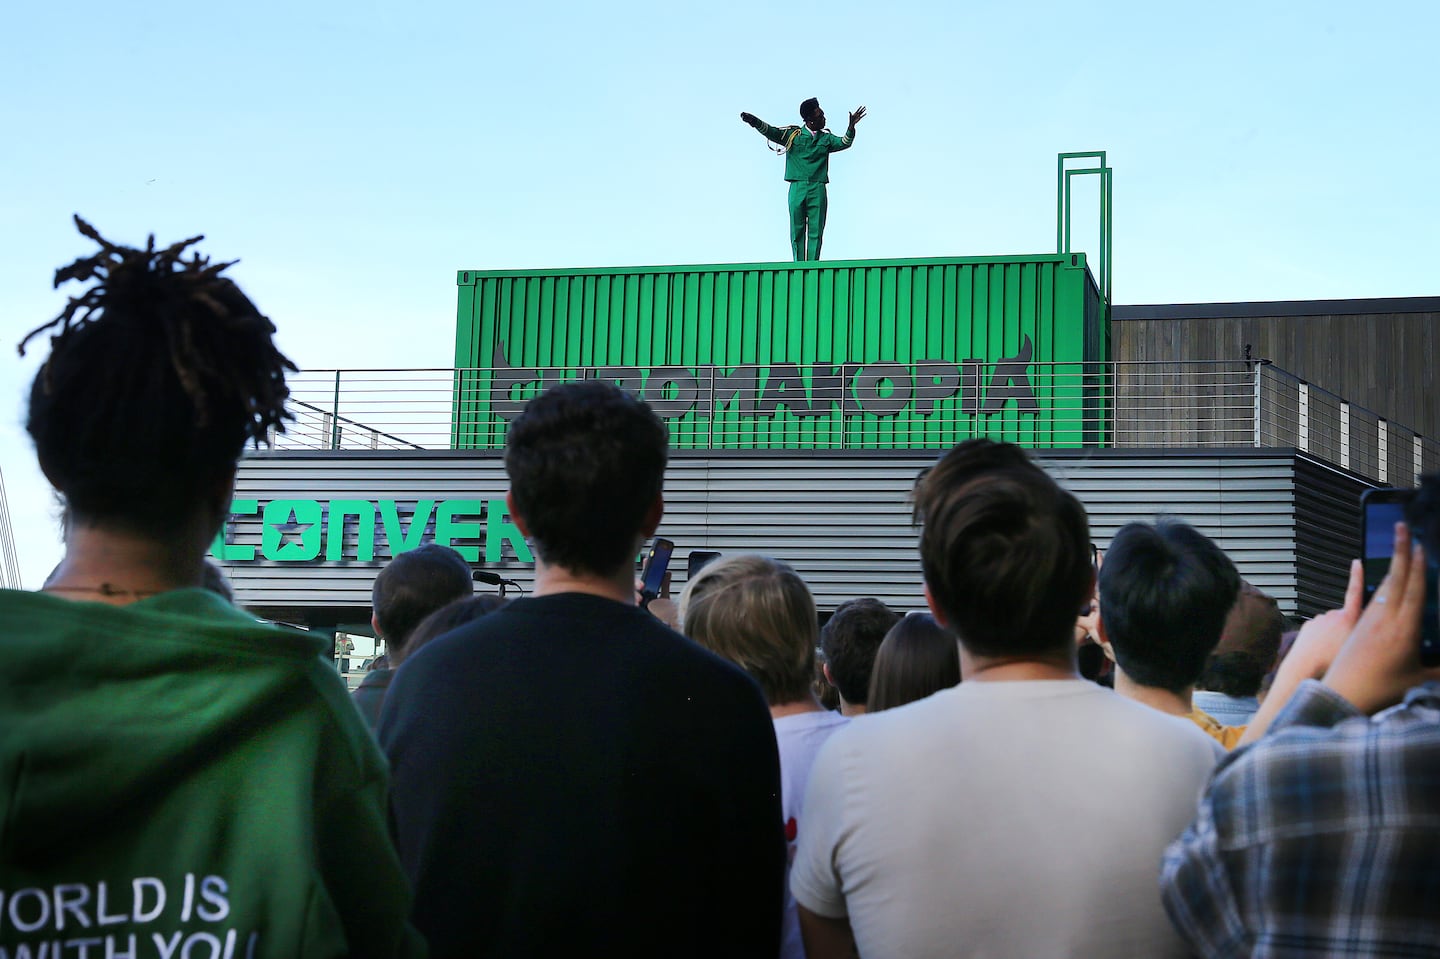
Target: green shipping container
pixel 882 354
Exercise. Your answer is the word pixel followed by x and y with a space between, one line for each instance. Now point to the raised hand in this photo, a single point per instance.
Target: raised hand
pixel 751 119
pixel 857 115
pixel 1381 658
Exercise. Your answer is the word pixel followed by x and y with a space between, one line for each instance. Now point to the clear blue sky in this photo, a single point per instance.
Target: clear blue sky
pixel 355 155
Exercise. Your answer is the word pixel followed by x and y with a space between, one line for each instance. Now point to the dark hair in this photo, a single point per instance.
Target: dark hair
pixel 1165 592
pixel 808 108
pixel 1005 551
pixel 159 373
pixel 586 462
pixel 758 613
pixel 850 639
pixel 414 585
pixel 919 657
pixel 1249 643
pixel 449 618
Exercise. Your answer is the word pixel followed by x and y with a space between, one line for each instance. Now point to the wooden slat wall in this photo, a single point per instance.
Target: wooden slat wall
pixel 1385 361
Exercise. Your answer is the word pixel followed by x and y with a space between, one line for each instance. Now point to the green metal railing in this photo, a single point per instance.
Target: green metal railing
pixel 1063 210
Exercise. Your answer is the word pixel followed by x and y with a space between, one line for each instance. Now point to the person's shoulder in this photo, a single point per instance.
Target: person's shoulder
pixel 668 649
pixel 1407 736
pixel 913 722
pixel 376 680
pixel 1135 727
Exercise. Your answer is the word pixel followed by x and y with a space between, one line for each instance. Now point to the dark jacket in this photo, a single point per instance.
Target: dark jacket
pixel 571 777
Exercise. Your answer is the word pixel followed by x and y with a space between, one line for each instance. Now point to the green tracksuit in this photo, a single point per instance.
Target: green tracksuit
pixel 807 167
pixel 178 779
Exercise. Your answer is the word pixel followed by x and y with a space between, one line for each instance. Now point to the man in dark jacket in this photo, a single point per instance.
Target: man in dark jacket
pixel 570 776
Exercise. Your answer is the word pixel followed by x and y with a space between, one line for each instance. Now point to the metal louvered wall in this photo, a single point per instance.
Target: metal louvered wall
pixel 842 519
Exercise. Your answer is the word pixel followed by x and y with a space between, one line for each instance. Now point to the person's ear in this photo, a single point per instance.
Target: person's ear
pixel 825 668
pixel 218 497
pixel 653 516
pixel 1101 637
pixel 375 625
pixel 515 516
pixel 935 609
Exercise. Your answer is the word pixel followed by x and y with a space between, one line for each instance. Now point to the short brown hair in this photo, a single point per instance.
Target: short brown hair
pixel 1249 645
pixel 850 639
pixel 1004 549
pixel 758 613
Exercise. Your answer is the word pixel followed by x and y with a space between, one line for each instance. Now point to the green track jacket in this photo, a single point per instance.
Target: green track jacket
pixel 807 155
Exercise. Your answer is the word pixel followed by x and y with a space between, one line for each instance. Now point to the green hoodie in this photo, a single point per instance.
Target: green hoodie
pixel 180 780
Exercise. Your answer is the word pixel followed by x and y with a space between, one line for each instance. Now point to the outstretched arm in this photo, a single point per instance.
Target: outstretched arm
pixel 837 144
pixel 773 134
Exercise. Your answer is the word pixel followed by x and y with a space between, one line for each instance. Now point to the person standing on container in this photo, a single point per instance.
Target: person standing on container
pixel 807 152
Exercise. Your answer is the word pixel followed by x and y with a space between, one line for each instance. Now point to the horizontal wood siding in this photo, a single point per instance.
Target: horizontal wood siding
pixel 1385 362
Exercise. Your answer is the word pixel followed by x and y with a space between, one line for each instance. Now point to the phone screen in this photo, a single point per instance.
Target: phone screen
pixel 657 561
pixel 1383 508
pixel 698 560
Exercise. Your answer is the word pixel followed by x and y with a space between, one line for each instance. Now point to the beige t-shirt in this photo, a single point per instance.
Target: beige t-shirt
pixel 1002 819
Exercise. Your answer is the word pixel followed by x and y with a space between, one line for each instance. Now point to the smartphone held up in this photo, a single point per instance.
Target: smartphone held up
pixel 1380 510
pixel 657 563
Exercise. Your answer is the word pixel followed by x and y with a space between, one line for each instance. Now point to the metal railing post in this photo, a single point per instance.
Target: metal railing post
pixel 335 428
pixel 1344 435
pixel 1304 426
pixel 1382 451
pixel 713 411
pixel 1256 403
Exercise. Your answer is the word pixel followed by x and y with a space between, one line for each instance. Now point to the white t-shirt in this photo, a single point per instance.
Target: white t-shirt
pixel 799 737
pixel 1002 819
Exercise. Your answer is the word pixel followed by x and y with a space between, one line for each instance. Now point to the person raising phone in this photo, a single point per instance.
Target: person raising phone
pixel 1320 838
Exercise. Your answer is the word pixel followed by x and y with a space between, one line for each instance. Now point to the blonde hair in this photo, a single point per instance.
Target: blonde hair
pixel 758 613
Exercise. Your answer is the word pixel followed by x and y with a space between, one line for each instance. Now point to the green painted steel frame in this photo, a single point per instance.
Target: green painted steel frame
pixel 1063 210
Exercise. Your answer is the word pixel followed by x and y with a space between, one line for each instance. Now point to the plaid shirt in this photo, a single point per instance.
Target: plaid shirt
pixel 1322 839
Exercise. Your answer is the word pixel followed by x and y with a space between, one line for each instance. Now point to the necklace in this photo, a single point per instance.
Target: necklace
pixel 104 589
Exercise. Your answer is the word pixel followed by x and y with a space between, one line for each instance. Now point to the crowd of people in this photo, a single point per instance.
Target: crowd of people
pixel 1054 753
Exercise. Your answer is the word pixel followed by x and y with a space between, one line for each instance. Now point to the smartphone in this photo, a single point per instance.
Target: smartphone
pixel 1381 509
pixel 698 560
pixel 657 561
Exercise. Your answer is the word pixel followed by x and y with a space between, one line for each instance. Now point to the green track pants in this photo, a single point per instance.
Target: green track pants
pixel 807 216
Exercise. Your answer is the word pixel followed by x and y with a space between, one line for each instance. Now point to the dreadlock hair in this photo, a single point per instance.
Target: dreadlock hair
pixel 158 374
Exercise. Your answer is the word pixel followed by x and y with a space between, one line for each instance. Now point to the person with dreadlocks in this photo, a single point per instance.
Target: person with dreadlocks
pixel 807 152
pixel 176 778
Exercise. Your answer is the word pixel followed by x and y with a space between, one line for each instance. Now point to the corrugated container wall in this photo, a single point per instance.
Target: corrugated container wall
pixel 880 354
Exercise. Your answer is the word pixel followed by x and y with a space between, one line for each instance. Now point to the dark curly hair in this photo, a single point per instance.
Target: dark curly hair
pixel 158 374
